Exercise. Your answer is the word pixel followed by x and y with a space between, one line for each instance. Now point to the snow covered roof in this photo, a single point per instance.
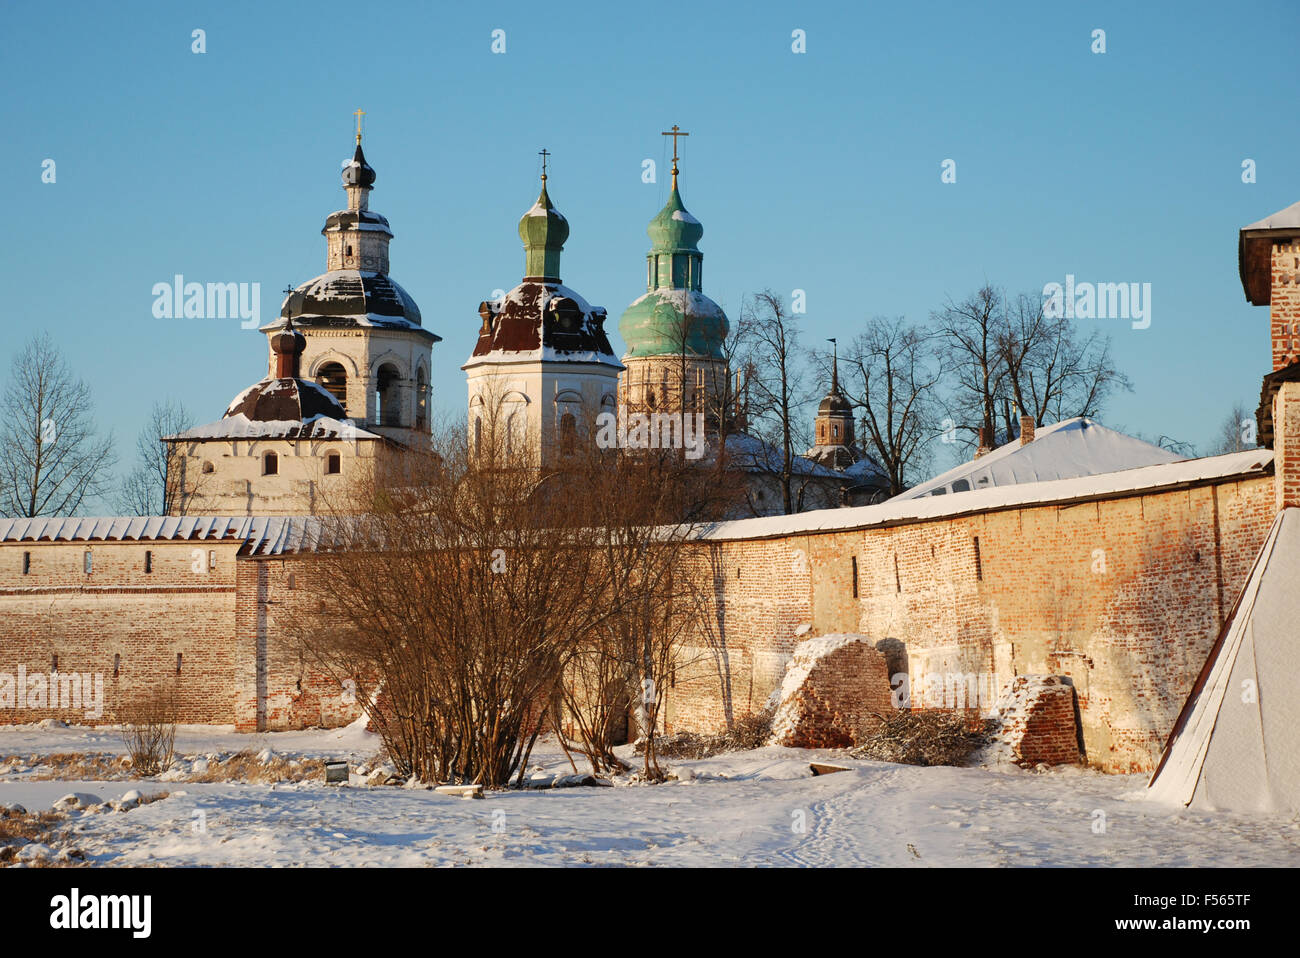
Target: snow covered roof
pixel 1066 450
pixel 344 298
pixel 107 528
pixel 1255 251
pixel 260 535
pixel 898 511
pixel 241 427
pixel 751 454
pixel 542 320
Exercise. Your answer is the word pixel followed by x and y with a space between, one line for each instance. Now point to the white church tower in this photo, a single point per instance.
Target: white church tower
pixel 365 341
pixel 542 369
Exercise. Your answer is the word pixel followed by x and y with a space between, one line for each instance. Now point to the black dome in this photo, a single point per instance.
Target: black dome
pixel 338 297
pixel 357 172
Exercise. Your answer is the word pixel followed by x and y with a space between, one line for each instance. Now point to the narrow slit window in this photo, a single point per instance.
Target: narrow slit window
pixel 979 566
pixel 88 561
pixel 178 663
pixel 117 664
pixel 898 580
pixel 54 662
pixel 148 561
pixel 853 560
pixel 27 563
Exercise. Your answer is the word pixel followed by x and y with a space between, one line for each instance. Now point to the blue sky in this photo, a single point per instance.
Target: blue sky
pixel 818 171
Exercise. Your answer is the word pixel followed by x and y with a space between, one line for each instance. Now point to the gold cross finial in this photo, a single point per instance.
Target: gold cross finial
pixel 543 154
pixel 358 114
pixel 675 132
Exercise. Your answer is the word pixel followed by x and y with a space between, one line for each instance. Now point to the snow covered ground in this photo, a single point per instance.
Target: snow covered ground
pixel 752 808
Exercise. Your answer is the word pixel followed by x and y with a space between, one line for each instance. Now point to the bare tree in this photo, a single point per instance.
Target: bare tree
pixel 897 372
pixel 154 487
pixel 52 458
pixel 776 391
pixel 972 333
pixel 1236 432
pixel 1054 371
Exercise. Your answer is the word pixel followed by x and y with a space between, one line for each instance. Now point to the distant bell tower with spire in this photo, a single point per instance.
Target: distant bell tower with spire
pixel 833 427
pixel 674 333
pixel 542 369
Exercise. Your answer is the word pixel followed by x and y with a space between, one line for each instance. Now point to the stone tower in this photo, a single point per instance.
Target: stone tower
pixel 674 331
pixel 365 341
pixel 1268 255
pixel 542 370
pixel 833 427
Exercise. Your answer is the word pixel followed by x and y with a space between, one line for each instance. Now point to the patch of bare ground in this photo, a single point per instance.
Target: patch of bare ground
pixel 19 829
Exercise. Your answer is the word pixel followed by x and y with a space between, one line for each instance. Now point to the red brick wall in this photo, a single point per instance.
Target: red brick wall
pixel 120 610
pixel 1284 303
pixel 1123 596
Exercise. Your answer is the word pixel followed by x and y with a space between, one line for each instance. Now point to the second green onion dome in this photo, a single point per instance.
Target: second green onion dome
pixel 674 315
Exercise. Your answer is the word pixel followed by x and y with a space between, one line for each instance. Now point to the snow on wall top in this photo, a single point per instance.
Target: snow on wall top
pixel 1065 450
pixel 897 511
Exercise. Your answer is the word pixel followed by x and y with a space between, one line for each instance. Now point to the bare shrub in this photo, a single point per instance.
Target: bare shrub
pixel 926 738
pixel 746 734
pixel 149 731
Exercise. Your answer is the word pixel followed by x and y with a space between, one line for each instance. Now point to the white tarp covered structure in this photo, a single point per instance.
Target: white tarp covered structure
pixel 1236 744
pixel 1065 450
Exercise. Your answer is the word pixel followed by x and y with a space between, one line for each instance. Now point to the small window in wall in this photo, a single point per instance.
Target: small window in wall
pixel 961 485
pixel 478 436
pixel 178 663
pixel 898 579
pixel 148 561
pixel 54 662
pixel 88 561
pixel 293 582
pixel 349 252
pixel 117 664
pixel 979 567
pixel 333 464
pixel 853 571
pixel 270 464
pixel 27 563
pixel 212 558
pixel 568 434
pixel 209 467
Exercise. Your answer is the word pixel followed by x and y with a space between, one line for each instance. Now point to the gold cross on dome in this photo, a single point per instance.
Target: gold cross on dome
pixel 543 154
pixel 675 132
pixel 358 114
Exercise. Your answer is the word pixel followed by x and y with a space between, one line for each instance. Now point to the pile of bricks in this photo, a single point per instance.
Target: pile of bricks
pixel 836 688
pixel 1037 722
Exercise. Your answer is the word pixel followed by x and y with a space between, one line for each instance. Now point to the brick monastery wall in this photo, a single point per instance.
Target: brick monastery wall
pixel 1124 596
pixel 119 615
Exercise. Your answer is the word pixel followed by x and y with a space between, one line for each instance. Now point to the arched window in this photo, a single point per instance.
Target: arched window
pixel 388 394
pixel 421 399
pixel 209 467
pixel 270 464
pixel 333 378
pixel 568 434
